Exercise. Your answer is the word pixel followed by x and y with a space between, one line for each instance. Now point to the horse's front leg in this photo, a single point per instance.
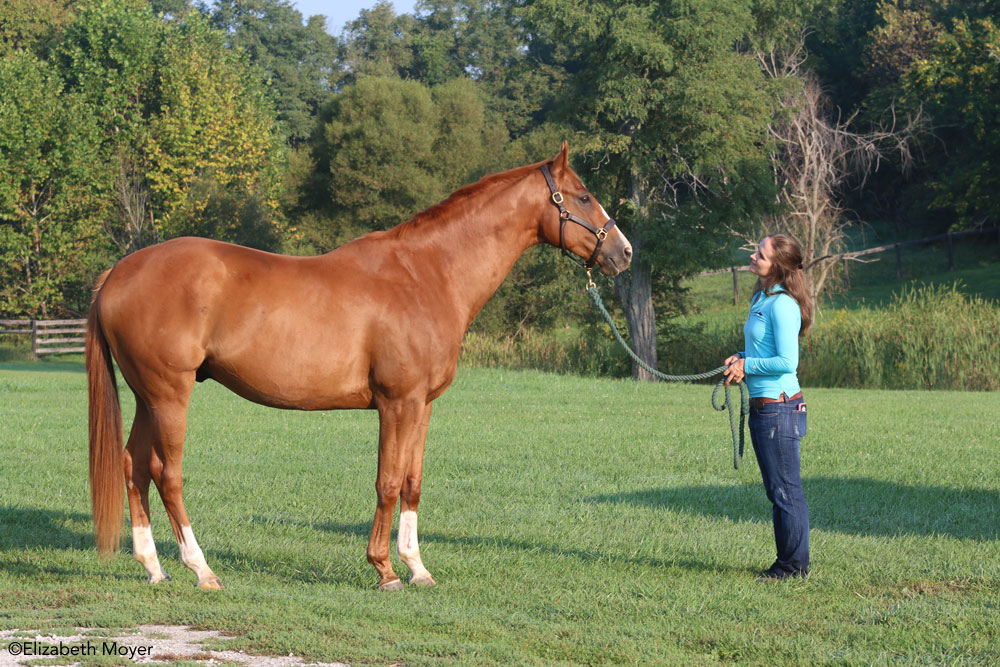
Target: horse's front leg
pixel 400 424
pixel 406 538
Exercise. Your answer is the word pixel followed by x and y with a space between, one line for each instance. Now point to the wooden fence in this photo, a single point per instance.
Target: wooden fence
pixel 846 257
pixel 49 336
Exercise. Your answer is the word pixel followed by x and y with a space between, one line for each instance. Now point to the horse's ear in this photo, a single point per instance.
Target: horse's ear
pixel 561 162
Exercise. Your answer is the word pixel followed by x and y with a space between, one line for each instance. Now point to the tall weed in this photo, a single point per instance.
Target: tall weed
pixel 578 353
pixel 928 337
pixel 932 337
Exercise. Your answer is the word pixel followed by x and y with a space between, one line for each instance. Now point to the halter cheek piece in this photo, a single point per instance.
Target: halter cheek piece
pixel 564 215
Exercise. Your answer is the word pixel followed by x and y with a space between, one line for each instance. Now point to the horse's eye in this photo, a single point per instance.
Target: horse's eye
pixel 585 199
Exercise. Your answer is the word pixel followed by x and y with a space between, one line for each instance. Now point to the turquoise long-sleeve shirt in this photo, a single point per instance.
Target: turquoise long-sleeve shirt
pixel 771 336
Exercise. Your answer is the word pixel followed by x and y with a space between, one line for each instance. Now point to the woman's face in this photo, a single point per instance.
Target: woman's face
pixel 760 261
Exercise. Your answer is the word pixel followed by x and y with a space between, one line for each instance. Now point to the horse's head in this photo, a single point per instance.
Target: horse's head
pixel 578 224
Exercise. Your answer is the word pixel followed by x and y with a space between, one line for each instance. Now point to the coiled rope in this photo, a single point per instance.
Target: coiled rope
pixel 720 385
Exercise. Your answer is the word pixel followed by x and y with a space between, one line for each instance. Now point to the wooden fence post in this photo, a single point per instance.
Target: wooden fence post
pixel 736 288
pixel 34 339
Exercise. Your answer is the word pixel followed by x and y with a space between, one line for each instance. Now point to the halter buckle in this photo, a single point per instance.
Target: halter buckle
pixel 557 198
pixel 601 234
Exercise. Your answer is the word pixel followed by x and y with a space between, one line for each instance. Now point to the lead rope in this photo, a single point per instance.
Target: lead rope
pixel 744 392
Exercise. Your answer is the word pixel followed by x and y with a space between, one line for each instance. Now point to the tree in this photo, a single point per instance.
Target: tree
pixel 484 40
pixel 50 181
pixel 959 85
pixel 175 107
pixel 388 148
pixel 676 120
pixel 378 43
pixel 818 157
pixel 32 25
pixel 213 122
pixel 298 60
pixel 905 35
pixel 929 55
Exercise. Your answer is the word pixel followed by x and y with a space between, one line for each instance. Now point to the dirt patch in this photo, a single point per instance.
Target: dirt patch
pixel 151 644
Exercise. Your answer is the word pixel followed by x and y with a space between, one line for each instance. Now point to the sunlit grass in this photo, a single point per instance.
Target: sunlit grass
pixel 566 520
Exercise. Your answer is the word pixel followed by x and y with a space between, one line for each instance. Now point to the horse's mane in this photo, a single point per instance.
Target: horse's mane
pixel 461 197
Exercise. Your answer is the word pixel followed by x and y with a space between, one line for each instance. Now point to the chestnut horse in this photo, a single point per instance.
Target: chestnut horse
pixel 376 324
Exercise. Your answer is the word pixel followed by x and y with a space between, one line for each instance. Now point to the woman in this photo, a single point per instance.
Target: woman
pixel 780 312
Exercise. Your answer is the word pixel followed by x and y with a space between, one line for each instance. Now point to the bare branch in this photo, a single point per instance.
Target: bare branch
pixel 819 157
pixel 134 228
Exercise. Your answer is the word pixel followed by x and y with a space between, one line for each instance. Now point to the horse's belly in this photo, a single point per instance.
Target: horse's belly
pixel 293 387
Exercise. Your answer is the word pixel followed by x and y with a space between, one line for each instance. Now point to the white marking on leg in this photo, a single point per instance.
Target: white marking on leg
pixel 144 551
pixel 192 556
pixel 408 547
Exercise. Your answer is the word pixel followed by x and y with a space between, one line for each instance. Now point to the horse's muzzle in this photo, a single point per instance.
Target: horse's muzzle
pixel 616 255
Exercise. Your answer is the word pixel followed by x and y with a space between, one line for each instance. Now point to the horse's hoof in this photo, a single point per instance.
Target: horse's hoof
pixel 423 581
pixel 394 585
pixel 155 579
pixel 213 584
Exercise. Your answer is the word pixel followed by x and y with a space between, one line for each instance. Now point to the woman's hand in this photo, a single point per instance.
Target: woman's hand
pixel 734 372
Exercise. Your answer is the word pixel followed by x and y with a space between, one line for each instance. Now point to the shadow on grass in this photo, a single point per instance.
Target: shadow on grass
pixel 856 506
pixel 34 527
pixel 556 548
pixel 73 365
pixel 25 529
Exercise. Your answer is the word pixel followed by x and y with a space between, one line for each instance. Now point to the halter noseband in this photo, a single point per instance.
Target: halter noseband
pixel 564 215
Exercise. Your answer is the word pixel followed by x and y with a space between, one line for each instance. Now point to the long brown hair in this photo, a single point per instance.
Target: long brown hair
pixel 786 270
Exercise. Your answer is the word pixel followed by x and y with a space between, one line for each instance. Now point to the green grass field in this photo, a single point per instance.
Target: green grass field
pixel 566 520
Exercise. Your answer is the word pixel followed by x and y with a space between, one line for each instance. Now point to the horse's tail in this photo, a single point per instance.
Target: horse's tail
pixel 107 482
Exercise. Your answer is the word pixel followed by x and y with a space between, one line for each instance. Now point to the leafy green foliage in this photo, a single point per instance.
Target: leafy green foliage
pixel 959 82
pixel 663 104
pixel 389 148
pixel 110 55
pixel 182 108
pixel 32 25
pixel 213 121
pixel 50 181
pixel 379 43
pixel 673 118
pixel 917 54
pixel 299 61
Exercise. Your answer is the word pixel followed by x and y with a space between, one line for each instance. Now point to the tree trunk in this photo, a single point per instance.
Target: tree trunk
pixel 634 290
pixel 634 287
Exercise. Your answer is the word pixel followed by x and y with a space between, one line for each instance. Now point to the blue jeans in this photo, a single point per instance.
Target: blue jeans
pixel 776 429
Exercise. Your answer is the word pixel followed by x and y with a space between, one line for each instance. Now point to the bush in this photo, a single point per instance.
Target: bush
pixel 925 338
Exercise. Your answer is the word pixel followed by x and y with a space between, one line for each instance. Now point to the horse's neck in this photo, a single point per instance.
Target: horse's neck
pixel 471 248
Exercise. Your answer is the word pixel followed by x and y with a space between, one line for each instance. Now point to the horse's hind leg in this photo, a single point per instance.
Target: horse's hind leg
pixel 169 422
pixel 407 545
pixel 138 454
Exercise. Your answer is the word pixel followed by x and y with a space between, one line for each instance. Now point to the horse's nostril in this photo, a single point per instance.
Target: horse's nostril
pixel 628 252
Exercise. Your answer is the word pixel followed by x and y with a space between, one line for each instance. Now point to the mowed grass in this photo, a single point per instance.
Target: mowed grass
pixel 566 520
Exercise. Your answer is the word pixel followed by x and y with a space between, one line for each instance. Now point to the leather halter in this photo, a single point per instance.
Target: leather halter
pixel 600 232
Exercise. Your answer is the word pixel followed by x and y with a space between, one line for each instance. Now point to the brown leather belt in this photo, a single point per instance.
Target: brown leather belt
pixel 763 400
